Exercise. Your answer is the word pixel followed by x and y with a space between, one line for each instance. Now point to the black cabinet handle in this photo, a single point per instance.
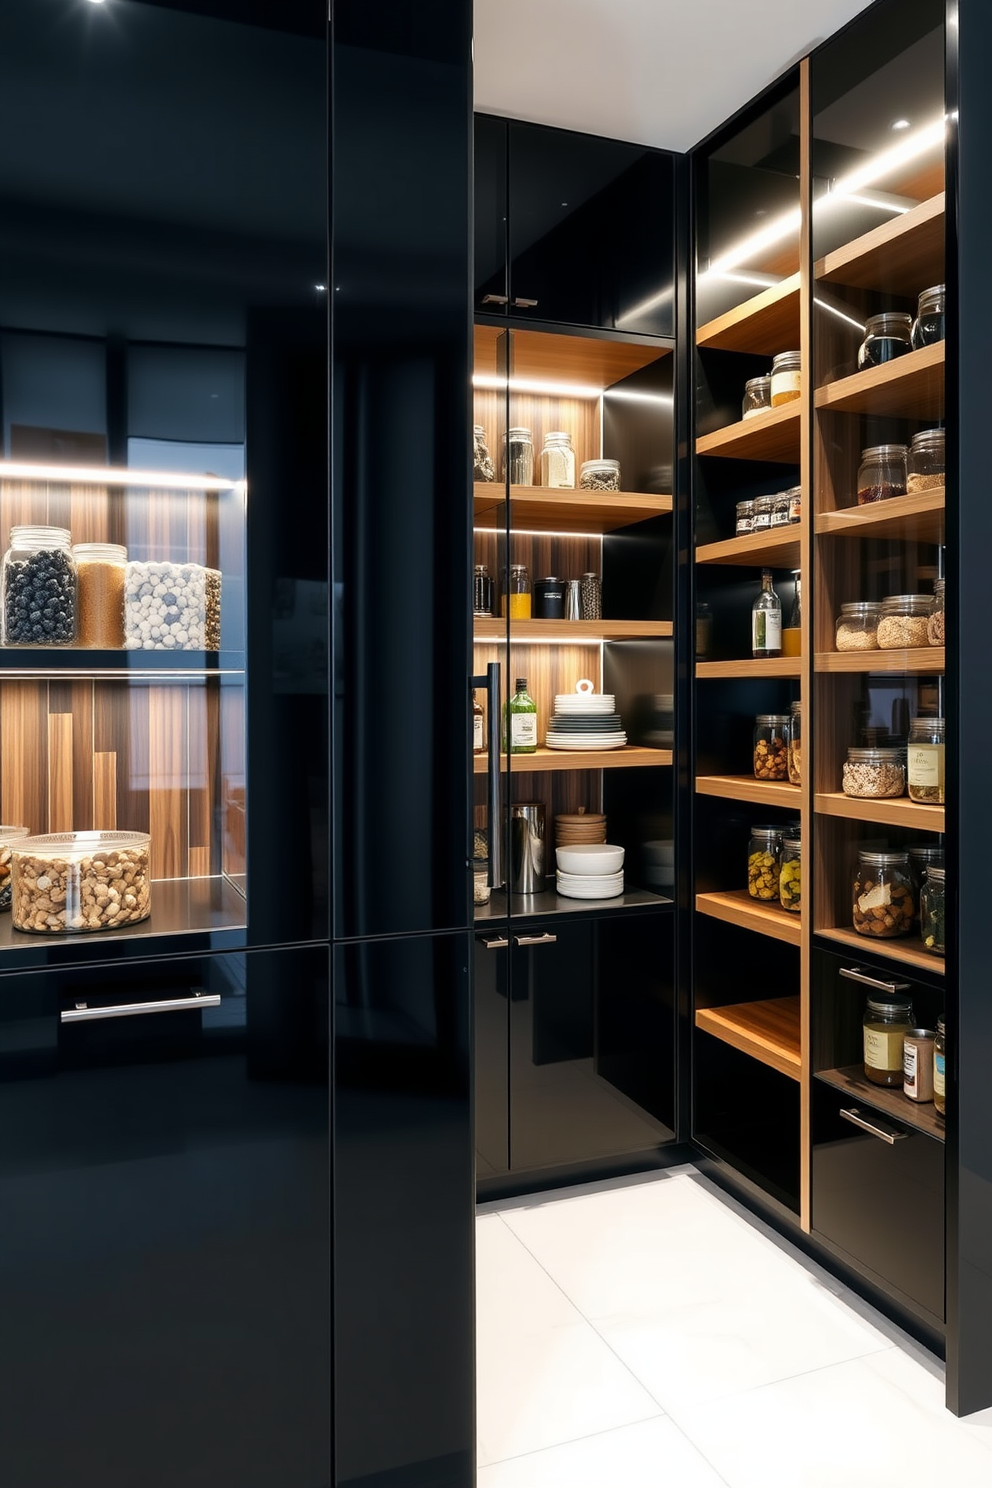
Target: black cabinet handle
pixel 523 304
pixel 83 1013
pixel 884 1133
pixel 855 975
pixel 493 685
pixel 491 299
pixel 532 940
pixel 493 942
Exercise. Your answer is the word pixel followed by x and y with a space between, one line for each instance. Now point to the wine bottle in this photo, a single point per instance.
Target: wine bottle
pixel 520 721
pixel 766 619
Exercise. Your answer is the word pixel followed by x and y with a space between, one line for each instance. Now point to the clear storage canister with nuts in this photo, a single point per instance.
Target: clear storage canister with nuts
pixel 874 774
pixel 886 1022
pixel 925 462
pixel 790 877
pixel 211 627
pixel 883 896
pixel 857 626
pixel 796 744
pixel 882 473
pixel 757 396
pixel 69 882
pixel 903 621
pixel 763 859
pixel 932 911
pixel 925 761
pixel 8 837
pixel 165 607
pixel 101 569
pixel 39 588
pixel 771 746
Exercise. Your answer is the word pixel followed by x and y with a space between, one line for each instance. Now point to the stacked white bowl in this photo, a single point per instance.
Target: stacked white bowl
pixel 590 870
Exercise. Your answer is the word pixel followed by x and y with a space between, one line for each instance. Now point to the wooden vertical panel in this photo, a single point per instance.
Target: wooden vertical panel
pixel 168 792
pixel 104 791
pixel 81 710
pixel 200 768
pixel 120 728
pixel 89 514
pixel 548 669
pixel 60 772
pixel 233 802
pixel 24 755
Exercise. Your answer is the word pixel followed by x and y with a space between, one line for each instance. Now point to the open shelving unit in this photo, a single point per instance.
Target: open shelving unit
pixel 768 1031
pixel 630 756
pixel 736 907
pixel 536 508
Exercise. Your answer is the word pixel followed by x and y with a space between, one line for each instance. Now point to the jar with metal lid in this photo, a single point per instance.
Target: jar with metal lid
pixel 925 462
pixel 9 838
pixel 101 572
pixel 771 746
pixel 780 509
pixel 939 1070
pixel 903 621
pixel 39 588
pixel 874 774
pixel 925 761
pixel 599 475
pixel 745 517
pixel 591 596
pixel 928 327
pixel 883 895
pixel 857 627
pixel 932 911
pixel 518 457
pixel 795 496
pixel 796 743
pixel 886 1022
pixel 763 863
pixel 921 856
pixel 518 596
pixel 558 461
pixel 935 619
pixel 790 877
pixel 482 590
pixel 757 396
pixel 762 513
pixel 482 461
pixel 882 473
pixel 917 1064
pixel 786 379
pixel 887 336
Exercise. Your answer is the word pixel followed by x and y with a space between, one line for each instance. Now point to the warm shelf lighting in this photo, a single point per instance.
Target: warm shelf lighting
pixel 535 385
pixel 101 475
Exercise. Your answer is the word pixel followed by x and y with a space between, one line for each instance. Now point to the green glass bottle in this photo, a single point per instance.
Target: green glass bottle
pixel 520 721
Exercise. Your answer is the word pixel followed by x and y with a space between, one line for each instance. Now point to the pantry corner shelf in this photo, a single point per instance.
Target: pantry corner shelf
pixel 899 258
pixel 900 811
pixel 746 788
pixel 492 631
pixel 912 386
pixel 914 660
pixel 915 518
pixel 772 666
pixel 540 509
pixel 770 436
pixel 631 756
pixel 919 1114
pixel 769 1031
pixel 736 907
pixel 776 548
pixel 908 951
pixel 761 325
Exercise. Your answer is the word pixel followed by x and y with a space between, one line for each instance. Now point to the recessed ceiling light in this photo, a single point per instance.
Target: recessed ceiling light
pixel 320 287
pixel 900 123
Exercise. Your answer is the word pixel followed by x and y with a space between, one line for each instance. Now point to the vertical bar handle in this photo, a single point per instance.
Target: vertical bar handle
pixel 491 682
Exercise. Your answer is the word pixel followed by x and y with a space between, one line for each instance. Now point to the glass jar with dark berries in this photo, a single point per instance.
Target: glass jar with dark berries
pixel 38 588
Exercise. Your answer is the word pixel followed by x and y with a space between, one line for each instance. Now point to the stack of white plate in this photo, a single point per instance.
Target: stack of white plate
pixel 590 870
pixel 585 720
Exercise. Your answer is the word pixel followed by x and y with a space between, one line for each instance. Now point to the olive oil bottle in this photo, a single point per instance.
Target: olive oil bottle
pixel 520 721
pixel 766 619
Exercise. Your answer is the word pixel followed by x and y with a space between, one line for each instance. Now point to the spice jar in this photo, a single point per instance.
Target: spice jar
pixel 935 619
pixel 903 621
pixel 482 461
pixel 482 590
pixel 213 582
pixel 939 1070
pixel 874 774
pixel 925 761
pixel 591 596
pixel 757 396
pixel 8 835
pixel 857 627
pixel 39 588
pixel 886 1022
pixel 790 880
pixel 481 890
pixel 932 911
pixel 101 569
pixel 771 746
pixel 704 631
pixel 780 509
pixel 762 513
pixel 882 473
pixel 518 457
pixel 518 592
pixel 763 854
pixel 925 462
pixel 599 475
pixel 795 496
pixel 745 517
pixel 922 855
pixel 785 378
pixel 558 461
pixel 883 896
pixel 887 336
pixel 928 327
pixel 795 744
pixel 917 1064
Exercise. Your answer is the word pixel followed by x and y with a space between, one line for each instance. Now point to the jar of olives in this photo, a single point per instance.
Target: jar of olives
pixel 763 859
pixel 790 879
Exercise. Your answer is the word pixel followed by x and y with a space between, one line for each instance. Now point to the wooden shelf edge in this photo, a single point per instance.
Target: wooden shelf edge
pixel 916 659
pixel 736 907
pixel 897 812
pixel 735 329
pixel 779 547
pixel 492 631
pixel 907 951
pixel 768 1031
pixel 776 666
pixel 919 1114
pixel 832 265
pixel 631 756
pixel 861 388
pixel 746 788
pixel 765 436
pixel 880 516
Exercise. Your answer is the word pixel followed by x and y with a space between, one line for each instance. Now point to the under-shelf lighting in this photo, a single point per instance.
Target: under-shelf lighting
pixel 535 385
pixel 99 475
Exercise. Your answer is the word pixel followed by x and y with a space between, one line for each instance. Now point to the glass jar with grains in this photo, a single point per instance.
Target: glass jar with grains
pixel 763 863
pixel 887 1020
pixel 796 744
pixel 790 876
pixel 925 462
pixel 882 473
pixel 757 396
pixel 771 746
pixel 101 571
pixel 887 336
pixel 935 619
pixel 932 911
pixel 482 461
pixel 786 378
pixel 558 461
pixel 857 626
pixel 882 901
pixel 903 621
pixel 599 475
pixel 925 761
pixel 874 774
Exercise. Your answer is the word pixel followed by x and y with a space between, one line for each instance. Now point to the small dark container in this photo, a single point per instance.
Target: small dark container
pixel 549 599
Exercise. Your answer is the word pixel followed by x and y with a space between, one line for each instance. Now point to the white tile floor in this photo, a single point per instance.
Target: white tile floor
pixel 642 1333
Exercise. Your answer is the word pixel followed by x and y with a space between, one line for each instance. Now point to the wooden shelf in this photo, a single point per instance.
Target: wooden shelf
pixel 538 509
pixel 596 362
pixel 920 1114
pixel 900 811
pixel 774 666
pixel 776 548
pixel 764 324
pixel 916 660
pixel 631 756
pixel 768 1031
pixel 910 387
pixel 492 631
pixel 908 950
pixel 746 788
pixel 765 436
pixel 736 907
pixel 899 258
pixel 916 518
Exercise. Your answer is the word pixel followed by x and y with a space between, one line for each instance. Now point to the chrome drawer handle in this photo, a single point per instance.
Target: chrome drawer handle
pixel 491 299
pixel 494 942
pixel 82 1013
pixel 854 975
pixel 529 940
pixel 883 1133
pixel 523 304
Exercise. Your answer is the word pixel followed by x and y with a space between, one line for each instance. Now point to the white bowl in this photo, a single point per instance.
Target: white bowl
pixel 590 857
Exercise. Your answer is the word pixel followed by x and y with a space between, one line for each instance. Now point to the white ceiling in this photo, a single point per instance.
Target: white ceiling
pixel 658 72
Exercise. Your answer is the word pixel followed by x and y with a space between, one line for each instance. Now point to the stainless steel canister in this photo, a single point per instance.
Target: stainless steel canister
pixel 527 847
pixel 573 599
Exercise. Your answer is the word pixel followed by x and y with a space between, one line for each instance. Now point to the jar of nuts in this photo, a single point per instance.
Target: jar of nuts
pixel 8 836
pixel 883 895
pixel 796 744
pixel 65 882
pixel 771 746
pixel 874 774
pixel 903 621
pixel 857 627
pixel 790 880
pixel 925 465
pixel 763 855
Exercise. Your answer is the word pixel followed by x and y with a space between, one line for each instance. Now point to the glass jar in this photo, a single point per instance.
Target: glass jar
pixel 922 855
pixel 875 774
pixel 903 621
pixel 882 473
pixel 9 837
pixel 591 596
pixel 883 896
pixel 482 590
pixel 558 461
pixel 518 457
pixel 482 461
pixel 932 911
pixel 481 891
pixel 785 378
pixel 771 746
pixel 757 396
pixel 165 606
pixel 925 462
pixel 101 569
pixel 795 496
pixel 213 583
pixel 704 631
pixel 857 627
pixel 763 858
pixel 928 327
pixel 887 336
pixel 762 513
pixel 925 761
pixel 780 509
pixel 939 1070
pixel 935 619
pixel 66 882
pixel 518 593
pixel 796 744
pixel 790 878
pixel 39 588
pixel 599 475
pixel 886 1022
pixel 745 517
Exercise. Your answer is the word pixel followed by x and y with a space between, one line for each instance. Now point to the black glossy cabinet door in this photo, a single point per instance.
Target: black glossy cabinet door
pixel 165 1231
pixel 492 1073
pixel 490 211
